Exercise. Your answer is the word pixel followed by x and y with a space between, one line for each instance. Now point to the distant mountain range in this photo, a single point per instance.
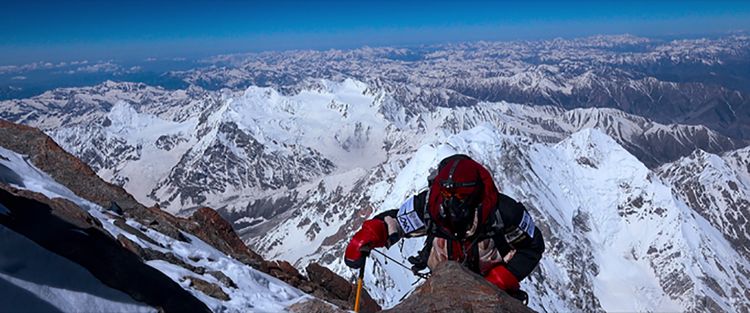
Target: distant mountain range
pixel 698 81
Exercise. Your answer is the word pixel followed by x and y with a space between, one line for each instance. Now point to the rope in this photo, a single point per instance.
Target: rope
pixel 418 274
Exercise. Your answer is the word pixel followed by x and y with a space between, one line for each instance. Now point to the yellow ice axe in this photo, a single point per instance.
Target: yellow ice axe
pixel 360 281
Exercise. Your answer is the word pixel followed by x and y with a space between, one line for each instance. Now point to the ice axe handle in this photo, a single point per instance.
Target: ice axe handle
pixel 365 250
pixel 360 281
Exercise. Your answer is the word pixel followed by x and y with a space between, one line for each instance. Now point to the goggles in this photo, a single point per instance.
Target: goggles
pixel 446 193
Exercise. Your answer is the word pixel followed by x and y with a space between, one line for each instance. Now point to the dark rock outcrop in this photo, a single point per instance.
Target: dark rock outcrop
pixel 338 288
pixel 224 279
pixel 147 254
pixel 329 280
pixel 122 224
pixel 453 288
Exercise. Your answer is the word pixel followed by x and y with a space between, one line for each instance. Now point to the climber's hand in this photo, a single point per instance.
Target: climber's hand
pixel 372 235
pixel 509 256
pixel 502 278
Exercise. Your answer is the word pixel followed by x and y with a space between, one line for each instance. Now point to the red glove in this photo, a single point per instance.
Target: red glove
pixel 373 234
pixel 502 278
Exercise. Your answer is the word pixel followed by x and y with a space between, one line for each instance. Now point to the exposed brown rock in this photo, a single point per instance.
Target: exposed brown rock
pixel 314 306
pixel 283 268
pixel 150 254
pixel 322 283
pixel 205 224
pixel 329 280
pixel 159 220
pixel 287 273
pixel 208 225
pixel 120 222
pixel 210 289
pixel 453 288
pixel 66 169
pixel 340 288
pixel 224 279
pixel 131 246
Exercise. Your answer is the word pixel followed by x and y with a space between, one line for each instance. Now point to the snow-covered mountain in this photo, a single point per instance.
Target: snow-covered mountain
pixel 718 188
pixel 640 212
pixel 230 149
pixel 694 81
pixel 298 173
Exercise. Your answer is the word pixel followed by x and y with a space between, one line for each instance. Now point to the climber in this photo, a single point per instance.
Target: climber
pixel 465 219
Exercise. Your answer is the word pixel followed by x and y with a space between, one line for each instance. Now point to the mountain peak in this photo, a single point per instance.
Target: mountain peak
pixel 592 147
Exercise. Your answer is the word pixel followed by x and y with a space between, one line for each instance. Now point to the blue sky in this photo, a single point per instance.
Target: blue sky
pixel 75 30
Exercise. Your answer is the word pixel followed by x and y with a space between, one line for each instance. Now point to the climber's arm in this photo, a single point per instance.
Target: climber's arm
pixel 387 228
pixel 408 220
pixel 521 245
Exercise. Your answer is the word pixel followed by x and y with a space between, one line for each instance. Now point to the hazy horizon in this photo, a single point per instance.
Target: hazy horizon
pixel 138 30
